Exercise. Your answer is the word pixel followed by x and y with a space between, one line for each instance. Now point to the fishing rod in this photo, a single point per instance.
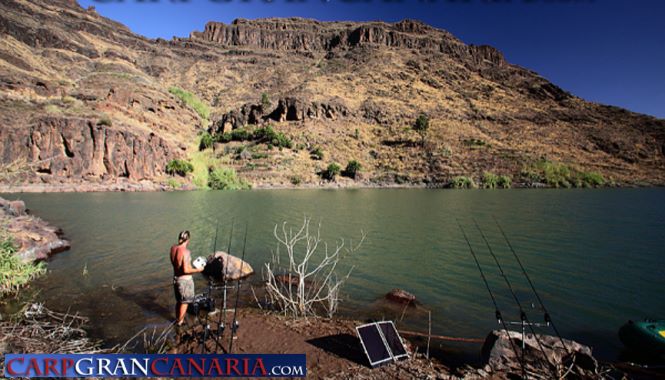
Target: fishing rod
pixel 222 316
pixel 234 325
pixel 206 327
pixel 547 317
pixel 497 312
pixel 524 320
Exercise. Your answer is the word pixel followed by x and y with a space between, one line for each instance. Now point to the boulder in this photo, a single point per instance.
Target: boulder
pixel 401 296
pixel 16 208
pixel 543 354
pixel 223 266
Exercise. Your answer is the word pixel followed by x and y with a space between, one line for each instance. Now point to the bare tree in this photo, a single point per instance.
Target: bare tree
pixel 302 277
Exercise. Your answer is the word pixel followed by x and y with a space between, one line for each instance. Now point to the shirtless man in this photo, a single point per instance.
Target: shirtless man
pixel 183 283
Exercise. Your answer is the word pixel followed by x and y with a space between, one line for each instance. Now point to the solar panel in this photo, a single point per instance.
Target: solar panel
pixel 381 342
pixel 393 340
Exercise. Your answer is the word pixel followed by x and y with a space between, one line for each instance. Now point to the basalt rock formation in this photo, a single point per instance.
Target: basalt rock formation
pixel 85 100
pixel 287 109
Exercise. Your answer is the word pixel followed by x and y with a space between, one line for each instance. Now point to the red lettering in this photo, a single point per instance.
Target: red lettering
pixel 66 364
pixel 233 366
pixel 9 367
pixel 50 365
pixel 215 364
pixel 33 366
pixel 177 363
pixel 153 367
pixel 192 363
pixel 259 364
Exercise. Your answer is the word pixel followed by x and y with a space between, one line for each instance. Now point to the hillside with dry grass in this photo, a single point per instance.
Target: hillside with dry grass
pixel 294 102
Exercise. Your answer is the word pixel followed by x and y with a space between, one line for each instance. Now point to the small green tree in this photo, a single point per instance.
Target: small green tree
pixel 421 126
pixel 352 169
pixel 265 102
pixel 206 141
pixel 179 167
pixel 316 154
pixel 331 171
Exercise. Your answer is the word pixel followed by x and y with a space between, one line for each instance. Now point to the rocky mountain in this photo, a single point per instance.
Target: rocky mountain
pixel 86 101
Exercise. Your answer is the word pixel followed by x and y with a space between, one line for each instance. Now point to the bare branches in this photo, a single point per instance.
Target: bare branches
pixel 37 329
pixel 308 282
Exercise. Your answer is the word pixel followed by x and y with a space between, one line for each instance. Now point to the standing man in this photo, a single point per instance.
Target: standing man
pixel 183 283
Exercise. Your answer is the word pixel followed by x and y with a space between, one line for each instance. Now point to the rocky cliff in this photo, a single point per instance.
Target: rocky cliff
pixel 85 100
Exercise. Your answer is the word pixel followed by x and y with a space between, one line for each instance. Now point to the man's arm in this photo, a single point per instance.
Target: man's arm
pixel 187 264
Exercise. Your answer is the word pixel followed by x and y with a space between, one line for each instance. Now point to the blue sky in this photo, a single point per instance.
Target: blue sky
pixel 607 51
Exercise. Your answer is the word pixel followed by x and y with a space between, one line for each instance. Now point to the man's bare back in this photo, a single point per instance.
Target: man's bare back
pixel 180 255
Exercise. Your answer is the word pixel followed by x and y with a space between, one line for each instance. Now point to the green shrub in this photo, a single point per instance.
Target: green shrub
pixel 356 134
pixel 352 169
pixel 592 179
pixel 226 179
pixel 295 180
pixel 265 102
pixel 490 180
pixel 179 167
pixel 463 182
pixel 316 154
pixel 557 174
pixel 505 182
pixel 173 183
pixel 474 142
pixel 105 121
pixel 14 273
pixel 191 101
pixel 269 136
pixel 259 156
pixel 331 171
pixel 206 141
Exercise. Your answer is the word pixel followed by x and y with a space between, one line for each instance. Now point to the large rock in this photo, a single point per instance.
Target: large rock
pixel 34 238
pixel 543 354
pixel 401 296
pixel 223 266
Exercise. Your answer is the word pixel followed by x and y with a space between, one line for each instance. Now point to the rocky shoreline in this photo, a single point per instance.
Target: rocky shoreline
pixel 120 185
pixel 34 238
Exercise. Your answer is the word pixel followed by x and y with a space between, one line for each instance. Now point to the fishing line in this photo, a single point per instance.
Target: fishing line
pixel 548 319
pixel 496 306
pixel 207 326
pixel 222 316
pixel 234 325
pixel 523 316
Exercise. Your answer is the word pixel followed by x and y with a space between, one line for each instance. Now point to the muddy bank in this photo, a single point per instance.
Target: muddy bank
pixel 332 348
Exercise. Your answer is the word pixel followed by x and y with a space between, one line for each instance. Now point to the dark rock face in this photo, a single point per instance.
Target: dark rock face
pixel 309 35
pixel 72 147
pixel 287 109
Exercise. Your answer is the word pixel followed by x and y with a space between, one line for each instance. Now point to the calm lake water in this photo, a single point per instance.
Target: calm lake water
pixel 595 256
